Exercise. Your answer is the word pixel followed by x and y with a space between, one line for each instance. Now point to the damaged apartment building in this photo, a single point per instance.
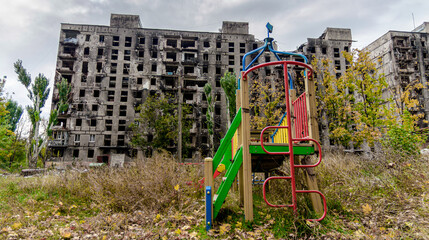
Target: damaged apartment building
pixel 403 58
pixel 113 68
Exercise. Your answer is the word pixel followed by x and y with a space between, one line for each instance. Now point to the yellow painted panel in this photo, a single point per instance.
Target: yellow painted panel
pixel 281 135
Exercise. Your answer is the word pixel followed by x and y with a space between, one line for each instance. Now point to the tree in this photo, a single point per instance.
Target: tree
pixel 11 146
pixel 353 103
pixel 371 112
pixel 229 85
pixel 38 92
pixel 15 113
pixel 333 104
pixel 157 124
pixel 209 114
pixel 267 101
pixel 6 135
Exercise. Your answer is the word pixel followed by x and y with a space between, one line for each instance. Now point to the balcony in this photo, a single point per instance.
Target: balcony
pixel 190 61
pixel 67 55
pixel 57 143
pixel 70 41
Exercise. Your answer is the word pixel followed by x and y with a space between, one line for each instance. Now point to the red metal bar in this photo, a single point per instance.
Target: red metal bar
pixel 318 146
pixel 325 208
pixel 301 120
pixel 280 63
pixel 289 131
pixel 265 195
pixel 305 115
pixel 262 143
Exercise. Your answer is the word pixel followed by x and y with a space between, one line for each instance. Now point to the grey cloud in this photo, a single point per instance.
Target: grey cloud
pixel 30 29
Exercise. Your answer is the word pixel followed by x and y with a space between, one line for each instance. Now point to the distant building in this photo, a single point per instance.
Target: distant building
pixel 403 57
pixel 113 68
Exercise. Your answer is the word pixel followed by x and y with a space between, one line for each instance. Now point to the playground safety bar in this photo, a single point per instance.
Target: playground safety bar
pixel 284 63
pixel 290 144
pixel 318 146
pixel 265 193
pixel 325 208
pixel 262 141
pixel 300 112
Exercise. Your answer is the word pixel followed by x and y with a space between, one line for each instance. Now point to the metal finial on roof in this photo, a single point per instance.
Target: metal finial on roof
pixel 269 28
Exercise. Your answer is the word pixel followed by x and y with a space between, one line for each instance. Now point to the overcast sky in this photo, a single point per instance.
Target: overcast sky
pixel 30 28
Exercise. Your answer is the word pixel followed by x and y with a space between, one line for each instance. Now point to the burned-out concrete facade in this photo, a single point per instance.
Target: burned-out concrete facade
pixel 330 45
pixel 113 68
pixel 403 58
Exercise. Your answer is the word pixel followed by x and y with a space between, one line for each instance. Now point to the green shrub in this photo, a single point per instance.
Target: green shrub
pixel 402 138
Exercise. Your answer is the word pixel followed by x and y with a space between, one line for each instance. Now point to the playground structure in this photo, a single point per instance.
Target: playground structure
pixel 296 135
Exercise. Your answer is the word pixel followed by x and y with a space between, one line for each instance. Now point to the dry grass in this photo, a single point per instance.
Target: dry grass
pixel 149 185
pixel 157 185
pixel 384 198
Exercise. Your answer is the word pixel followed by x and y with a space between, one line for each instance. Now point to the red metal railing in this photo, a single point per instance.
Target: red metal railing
pixel 301 121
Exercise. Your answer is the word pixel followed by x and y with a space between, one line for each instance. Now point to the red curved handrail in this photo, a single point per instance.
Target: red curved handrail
pixel 264 192
pixel 318 146
pixel 325 208
pixel 262 142
pixel 280 63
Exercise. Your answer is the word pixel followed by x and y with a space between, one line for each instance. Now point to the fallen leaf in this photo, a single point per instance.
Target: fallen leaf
pixel 66 235
pixel 5 229
pixel 16 225
pixel 186 227
pixel 359 234
pixel 178 231
pixel 224 228
pixel 366 209
pixel 238 225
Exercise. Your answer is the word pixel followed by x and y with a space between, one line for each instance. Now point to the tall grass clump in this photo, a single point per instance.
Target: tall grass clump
pixel 151 184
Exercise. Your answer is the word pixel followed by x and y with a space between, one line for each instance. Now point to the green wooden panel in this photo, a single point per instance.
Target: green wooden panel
pixel 226 140
pixel 224 187
pixel 297 150
pixel 227 157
